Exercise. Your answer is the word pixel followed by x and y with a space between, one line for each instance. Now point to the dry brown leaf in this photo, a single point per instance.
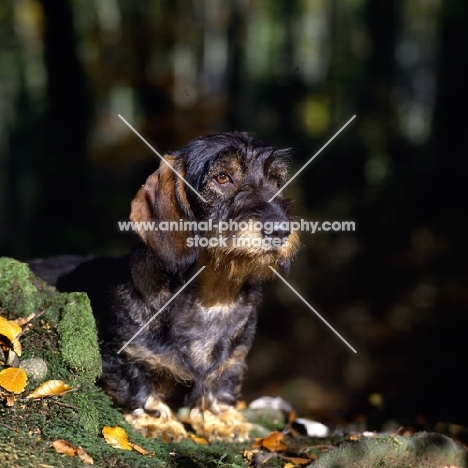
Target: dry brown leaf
pixel 299 460
pixel 288 465
pixel 273 442
pixel 10 400
pixel 116 437
pixel 198 440
pixel 50 388
pixel 64 447
pixel 138 448
pixel 24 320
pixel 13 379
pixel 80 453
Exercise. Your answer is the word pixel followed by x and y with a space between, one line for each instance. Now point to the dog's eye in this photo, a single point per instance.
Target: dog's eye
pixel 222 178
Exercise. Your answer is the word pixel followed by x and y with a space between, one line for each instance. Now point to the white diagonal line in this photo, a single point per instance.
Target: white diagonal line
pixel 161 158
pixel 160 310
pixel 311 308
pixel 312 158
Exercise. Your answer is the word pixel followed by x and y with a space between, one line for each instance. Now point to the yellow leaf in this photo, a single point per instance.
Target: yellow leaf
pixel 249 455
pixel 198 440
pixel 241 405
pixel 13 379
pixel 138 448
pixel 64 447
pixel 273 442
pixel 9 329
pixel 50 388
pixel 116 437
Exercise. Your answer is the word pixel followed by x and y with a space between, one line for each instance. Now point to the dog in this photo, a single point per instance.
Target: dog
pixel 191 353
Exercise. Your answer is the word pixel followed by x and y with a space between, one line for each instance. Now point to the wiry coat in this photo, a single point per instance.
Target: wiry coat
pixel 192 352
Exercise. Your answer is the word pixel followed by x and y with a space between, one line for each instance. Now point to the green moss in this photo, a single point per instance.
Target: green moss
pixel 18 288
pixel 78 338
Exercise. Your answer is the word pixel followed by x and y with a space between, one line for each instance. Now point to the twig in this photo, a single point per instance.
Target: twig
pixel 9 427
pixel 67 406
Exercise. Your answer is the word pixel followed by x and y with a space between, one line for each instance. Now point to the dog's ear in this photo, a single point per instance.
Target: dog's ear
pixel 163 199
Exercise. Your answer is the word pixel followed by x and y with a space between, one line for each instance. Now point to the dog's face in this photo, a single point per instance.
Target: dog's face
pixel 235 176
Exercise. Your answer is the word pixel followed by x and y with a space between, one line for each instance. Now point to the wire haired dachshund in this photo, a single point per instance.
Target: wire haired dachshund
pixel 191 353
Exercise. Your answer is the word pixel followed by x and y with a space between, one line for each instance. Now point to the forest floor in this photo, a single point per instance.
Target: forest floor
pixel 46 336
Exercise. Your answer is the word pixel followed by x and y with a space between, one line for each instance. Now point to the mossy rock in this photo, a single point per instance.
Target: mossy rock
pixel 422 450
pixel 19 289
pixel 77 331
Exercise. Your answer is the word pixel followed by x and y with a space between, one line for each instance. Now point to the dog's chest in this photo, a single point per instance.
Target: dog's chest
pixel 206 336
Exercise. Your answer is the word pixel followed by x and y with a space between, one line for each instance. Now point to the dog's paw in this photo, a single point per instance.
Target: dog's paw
pixel 156 421
pixel 228 424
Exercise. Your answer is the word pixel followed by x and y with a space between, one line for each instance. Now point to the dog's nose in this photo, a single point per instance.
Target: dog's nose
pixel 279 231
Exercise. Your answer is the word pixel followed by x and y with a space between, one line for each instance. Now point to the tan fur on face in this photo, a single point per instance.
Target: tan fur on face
pixel 242 263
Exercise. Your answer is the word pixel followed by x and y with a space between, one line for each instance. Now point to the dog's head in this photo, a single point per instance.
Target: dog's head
pixel 229 179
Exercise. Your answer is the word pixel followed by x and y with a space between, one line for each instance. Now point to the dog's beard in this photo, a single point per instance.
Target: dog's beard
pixel 247 254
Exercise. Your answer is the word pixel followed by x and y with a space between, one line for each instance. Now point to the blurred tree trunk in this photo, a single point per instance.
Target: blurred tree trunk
pixel 63 207
pixel 235 66
pixel 381 21
pixel 451 118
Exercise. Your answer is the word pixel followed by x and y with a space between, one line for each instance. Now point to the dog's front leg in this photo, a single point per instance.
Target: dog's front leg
pixel 156 420
pixel 214 415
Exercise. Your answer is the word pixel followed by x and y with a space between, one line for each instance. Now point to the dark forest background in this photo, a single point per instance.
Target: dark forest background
pixel 292 72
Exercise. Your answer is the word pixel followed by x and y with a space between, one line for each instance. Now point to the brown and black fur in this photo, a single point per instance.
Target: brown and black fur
pixel 193 353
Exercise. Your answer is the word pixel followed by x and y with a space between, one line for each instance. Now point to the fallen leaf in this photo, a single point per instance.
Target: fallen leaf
pixel 17 346
pixel 138 448
pixel 116 437
pixel 24 320
pixel 241 405
pixel 250 454
pixel 273 442
pixel 9 329
pixel 64 447
pixel 80 453
pixel 10 400
pixel 299 460
pixel 50 388
pixel 198 440
pixel 13 379
pixel 288 465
